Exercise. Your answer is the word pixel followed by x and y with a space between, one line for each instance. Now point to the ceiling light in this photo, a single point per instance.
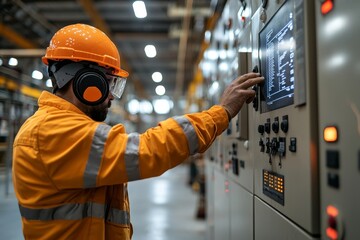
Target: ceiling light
pixel 207 37
pixel 157 77
pixel 145 107
pixel 139 9
pixel 150 51
pixel 160 90
pixel 13 62
pixel 162 106
pixel 37 75
pixel 133 106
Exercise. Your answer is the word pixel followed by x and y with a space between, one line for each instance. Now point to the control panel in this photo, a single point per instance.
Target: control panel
pixel 286 160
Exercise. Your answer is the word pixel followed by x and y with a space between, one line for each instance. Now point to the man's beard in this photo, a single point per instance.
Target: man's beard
pixel 98 113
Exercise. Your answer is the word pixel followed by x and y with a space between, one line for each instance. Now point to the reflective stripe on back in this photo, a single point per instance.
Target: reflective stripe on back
pixel 190 133
pixel 76 211
pixel 95 155
pixel 70 211
pixel 132 157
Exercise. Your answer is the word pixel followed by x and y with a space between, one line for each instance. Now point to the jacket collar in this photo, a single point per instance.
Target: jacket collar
pixel 50 99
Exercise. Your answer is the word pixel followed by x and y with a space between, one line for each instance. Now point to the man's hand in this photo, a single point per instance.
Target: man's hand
pixel 238 92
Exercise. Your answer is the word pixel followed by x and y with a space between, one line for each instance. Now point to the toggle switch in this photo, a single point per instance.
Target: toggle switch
pixel 267 126
pixel 285 124
pixel 275 125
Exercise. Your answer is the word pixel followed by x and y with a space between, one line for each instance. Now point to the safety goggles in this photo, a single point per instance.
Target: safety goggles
pixel 116 85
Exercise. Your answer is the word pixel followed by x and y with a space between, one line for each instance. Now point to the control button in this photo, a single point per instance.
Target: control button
pixel 264 3
pixel 242 163
pixel 261 129
pixel 268 145
pixel 275 125
pixel 256 69
pixel 284 124
pixel 246 144
pixel 292 146
pixel 332 159
pixel 228 131
pixel 235 166
pixel 333 180
pixel 267 126
pixel 255 88
pixel 274 146
pixel 256 104
pixel 282 147
pixel 255 101
pixel 262 145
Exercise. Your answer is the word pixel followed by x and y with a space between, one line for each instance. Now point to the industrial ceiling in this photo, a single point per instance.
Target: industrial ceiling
pixel 176 28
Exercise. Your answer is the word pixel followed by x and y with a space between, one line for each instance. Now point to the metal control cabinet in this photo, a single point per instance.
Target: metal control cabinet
pixel 289 168
pixel 286 161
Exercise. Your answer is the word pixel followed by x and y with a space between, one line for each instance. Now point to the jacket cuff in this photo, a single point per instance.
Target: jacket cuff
pixel 220 116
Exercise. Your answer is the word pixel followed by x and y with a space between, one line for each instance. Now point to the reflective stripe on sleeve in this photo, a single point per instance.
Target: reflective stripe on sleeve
pixel 95 155
pixel 132 157
pixel 76 211
pixel 190 133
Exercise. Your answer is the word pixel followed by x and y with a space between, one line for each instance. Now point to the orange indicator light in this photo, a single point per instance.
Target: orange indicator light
pixel 332 211
pixel 330 134
pixel 327 6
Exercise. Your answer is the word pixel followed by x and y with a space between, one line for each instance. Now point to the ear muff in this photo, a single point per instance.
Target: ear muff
pixel 91 86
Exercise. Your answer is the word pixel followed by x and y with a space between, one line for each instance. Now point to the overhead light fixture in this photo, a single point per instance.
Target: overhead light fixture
pixel 207 37
pixel 13 62
pixel 145 107
pixel 133 106
pixel 157 77
pixel 139 9
pixel 160 90
pixel 37 75
pixel 150 51
pixel 162 106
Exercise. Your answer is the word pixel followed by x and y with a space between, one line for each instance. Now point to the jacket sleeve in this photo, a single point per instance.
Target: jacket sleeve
pixel 98 154
pixel 165 146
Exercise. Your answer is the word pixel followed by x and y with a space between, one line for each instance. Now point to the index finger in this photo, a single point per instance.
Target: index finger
pixel 251 82
pixel 246 76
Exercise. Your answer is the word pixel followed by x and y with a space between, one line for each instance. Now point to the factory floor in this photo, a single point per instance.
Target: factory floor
pixel 162 208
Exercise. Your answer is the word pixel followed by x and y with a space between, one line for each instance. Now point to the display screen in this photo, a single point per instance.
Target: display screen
pixel 277 55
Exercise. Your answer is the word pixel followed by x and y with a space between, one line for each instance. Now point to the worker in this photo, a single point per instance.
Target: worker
pixel 70 169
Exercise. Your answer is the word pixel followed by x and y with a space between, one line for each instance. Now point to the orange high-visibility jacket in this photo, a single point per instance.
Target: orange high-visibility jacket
pixel 70 172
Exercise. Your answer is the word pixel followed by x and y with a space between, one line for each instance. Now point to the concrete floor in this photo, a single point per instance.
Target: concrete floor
pixel 161 208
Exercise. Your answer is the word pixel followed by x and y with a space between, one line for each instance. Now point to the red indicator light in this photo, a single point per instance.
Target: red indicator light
pixel 327 6
pixel 330 134
pixel 331 233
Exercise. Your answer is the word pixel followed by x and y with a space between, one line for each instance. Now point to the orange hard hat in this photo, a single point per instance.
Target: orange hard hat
pixel 81 42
